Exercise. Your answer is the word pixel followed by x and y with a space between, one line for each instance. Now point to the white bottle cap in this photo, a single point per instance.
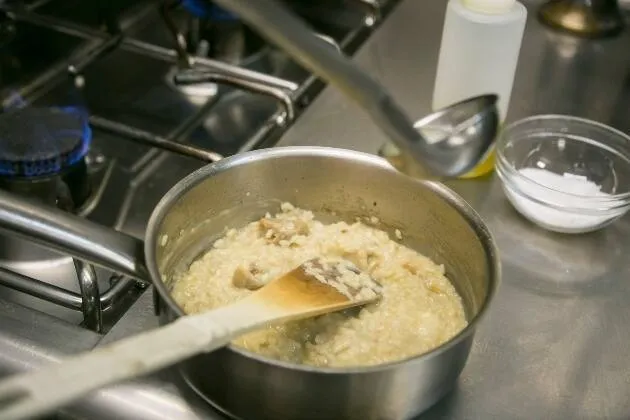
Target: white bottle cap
pixel 491 7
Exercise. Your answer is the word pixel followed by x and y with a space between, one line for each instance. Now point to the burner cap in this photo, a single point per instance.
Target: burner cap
pixel 42 141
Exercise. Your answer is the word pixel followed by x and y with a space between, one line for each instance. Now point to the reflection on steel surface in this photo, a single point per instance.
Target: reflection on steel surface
pixel 588 18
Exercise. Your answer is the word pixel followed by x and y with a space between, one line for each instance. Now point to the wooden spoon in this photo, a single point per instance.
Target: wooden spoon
pixel 316 287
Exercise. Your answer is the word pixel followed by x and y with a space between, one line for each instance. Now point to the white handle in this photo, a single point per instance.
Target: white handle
pixel 35 393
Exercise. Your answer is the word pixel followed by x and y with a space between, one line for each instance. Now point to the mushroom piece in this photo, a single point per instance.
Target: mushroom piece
pixel 276 230
pixel 245 277
pixel 366 260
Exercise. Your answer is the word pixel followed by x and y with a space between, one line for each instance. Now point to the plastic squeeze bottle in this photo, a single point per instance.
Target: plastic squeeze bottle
pixel 481 40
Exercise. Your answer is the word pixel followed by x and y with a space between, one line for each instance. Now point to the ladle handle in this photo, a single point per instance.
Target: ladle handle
pixel 287 31
pixel 39 392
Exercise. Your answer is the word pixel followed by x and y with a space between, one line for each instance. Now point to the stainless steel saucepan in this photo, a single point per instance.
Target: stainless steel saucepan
pixel 240 189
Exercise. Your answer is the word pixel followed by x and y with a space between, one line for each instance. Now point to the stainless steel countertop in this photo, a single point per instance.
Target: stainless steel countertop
pixel 556 344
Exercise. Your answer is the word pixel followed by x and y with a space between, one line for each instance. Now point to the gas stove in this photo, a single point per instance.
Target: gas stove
pixel 105 106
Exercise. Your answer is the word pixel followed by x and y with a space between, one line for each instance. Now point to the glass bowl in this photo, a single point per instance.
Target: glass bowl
pixel 565 174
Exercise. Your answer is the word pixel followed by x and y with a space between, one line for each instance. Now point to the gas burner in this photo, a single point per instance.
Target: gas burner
pixel 42 155
pixel 211 32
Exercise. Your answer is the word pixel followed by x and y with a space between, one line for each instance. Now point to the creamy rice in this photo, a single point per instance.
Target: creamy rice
pixel 419 310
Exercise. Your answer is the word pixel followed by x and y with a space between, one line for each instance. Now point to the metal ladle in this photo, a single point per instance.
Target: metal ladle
pixel 471 121
pixel 446 157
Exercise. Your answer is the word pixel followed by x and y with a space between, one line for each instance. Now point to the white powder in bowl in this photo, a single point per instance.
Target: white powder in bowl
pixel 556 219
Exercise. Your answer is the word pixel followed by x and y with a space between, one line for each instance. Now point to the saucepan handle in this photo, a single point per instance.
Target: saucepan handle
pixel 71 234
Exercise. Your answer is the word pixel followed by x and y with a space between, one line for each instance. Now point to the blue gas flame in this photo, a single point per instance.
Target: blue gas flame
pixel 32 164
pixel 85 133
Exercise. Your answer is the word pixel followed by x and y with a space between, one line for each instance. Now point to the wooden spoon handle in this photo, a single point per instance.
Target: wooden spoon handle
pixel 35 393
